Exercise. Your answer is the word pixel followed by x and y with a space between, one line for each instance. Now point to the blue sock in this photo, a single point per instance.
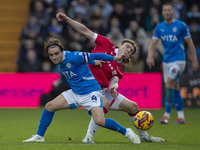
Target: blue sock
pixel 169 100
pixel 178 100
pixel 113 125
pixel 45 121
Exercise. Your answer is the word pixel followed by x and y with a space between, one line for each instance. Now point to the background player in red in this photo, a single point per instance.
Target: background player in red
pixel 108 75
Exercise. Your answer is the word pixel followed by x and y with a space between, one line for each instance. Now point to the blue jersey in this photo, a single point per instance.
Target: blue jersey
pixel 75 69
pixel 172 37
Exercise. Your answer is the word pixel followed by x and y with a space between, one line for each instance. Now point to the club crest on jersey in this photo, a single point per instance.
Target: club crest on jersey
pixel 68 65
pixel 174 29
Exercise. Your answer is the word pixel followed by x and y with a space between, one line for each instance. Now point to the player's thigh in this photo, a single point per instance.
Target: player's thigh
pixel 106 103
pixel 98 115
pixel 128 106
pixel 57 103
pixel 175 69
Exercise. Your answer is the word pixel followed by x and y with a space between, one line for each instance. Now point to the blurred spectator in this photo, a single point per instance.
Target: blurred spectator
pixel 119 12
pixel 135 32
pixel 51 6
pixel 194 13
pixel 136 10
pixel 79 7
pixel 24 47
pixel 96 25
pixel 55 30
pixel 180 10
pixel 114 23
pixel 97 17
pixel 105 6
pixel 33 30
pixel 115 36
pixel 31 63
pixel 157 4
pixel 38 10
pixel 46 66
pixel 153 19
pixel 55 26
pixel 76 42
pixel 195 32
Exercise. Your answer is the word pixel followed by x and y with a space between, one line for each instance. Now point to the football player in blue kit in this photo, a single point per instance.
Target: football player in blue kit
pixel 85 90
pixel 173 33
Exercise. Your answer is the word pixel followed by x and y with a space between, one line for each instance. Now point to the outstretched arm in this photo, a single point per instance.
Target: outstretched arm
pixel 80 28
pixel 105 57
pixel 90 57
pixel 151 49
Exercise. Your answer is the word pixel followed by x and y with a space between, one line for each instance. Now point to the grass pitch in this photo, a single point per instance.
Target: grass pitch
pixel 19 124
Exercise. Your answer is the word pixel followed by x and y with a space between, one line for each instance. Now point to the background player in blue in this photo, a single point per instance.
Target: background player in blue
pixel 85 90
pixel 173 33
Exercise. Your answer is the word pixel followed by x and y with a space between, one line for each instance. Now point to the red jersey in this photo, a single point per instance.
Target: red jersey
pixel 110 68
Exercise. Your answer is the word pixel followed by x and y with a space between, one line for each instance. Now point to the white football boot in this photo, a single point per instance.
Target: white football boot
pixel 88 139
pixel 152 139
pixel 134 138
pixel 35 138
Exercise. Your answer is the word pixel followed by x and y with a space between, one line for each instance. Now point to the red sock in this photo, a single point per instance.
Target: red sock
pixel 105 110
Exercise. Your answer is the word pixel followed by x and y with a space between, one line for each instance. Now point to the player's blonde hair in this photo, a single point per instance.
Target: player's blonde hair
pixel 51 43
pixel 127 62
pixel 168 4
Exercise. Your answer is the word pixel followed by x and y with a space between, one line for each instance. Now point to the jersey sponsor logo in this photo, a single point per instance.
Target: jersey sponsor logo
pixel 68 65
pixel 69 74
pixel 169 38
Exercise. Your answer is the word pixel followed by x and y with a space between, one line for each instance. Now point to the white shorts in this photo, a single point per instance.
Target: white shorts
pixel 114 102
pixel 87 101
pixel 173 70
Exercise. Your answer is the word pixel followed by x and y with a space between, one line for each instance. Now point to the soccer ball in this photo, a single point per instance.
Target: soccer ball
pixel 143 120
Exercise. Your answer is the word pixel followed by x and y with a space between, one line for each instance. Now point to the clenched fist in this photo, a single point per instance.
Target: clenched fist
pixel 61 16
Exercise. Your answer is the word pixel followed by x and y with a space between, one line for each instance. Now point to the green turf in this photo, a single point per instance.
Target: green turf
pixel 19 124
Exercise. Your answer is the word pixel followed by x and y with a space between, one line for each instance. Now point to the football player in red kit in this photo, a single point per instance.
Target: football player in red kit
pixel 108 74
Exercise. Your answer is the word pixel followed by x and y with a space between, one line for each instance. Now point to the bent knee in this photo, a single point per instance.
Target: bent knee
pixel 49 106
pixel 129 107
pixel 100 122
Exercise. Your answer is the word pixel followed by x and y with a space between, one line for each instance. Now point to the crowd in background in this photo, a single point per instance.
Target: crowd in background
pixel 115 19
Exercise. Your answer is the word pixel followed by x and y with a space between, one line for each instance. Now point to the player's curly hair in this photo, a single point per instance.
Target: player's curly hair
pixel 52 42
pixel 127 62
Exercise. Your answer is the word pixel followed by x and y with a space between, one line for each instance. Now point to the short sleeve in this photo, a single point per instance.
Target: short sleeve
pixel 156 34
pixel 185 31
